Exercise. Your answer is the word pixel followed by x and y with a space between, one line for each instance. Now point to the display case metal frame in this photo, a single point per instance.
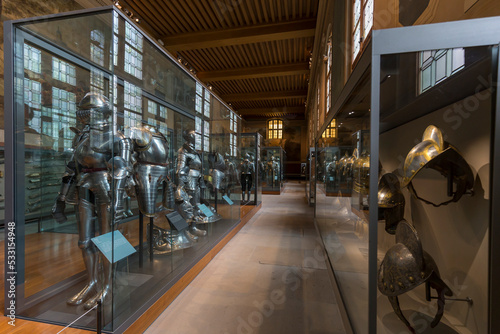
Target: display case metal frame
pixel 458 34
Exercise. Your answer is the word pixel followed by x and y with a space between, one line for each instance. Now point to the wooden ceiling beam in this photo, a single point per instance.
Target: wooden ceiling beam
pixel 277 95
pixel 255 72
pixel 260 111
pixel 241 35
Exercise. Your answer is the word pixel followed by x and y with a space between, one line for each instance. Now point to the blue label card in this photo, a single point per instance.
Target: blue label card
pixel 114 246
pixel 176 221
pixel 206 211
pixel 228 200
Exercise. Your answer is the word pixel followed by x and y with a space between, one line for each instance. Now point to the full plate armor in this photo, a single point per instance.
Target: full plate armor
pixel 99 170
pixel 190 178
pixel 247 173
pixel 231 177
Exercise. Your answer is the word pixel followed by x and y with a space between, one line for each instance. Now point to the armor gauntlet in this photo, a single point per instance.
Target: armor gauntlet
pixel 121 169
pixel 68 181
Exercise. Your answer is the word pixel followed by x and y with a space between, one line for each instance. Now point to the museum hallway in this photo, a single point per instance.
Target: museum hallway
pixel 270 278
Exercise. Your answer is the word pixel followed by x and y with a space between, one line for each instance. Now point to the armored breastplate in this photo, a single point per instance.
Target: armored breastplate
pixel 156 152
pixel 193 161
pixel 88 157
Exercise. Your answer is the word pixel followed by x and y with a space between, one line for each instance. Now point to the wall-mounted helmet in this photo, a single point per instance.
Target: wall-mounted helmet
pixel 391 201
pixel 433 152
pixel 405 266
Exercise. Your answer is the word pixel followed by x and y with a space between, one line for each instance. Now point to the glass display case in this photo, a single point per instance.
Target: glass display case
pixel 273 177
pixel 418 236
pixel 342 223
pixel 114 161
pixel 251 168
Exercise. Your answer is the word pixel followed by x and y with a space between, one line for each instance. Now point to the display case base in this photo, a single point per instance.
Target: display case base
pixel 153 311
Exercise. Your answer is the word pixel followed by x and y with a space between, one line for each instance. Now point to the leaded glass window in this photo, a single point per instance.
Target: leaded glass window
pixel 438 65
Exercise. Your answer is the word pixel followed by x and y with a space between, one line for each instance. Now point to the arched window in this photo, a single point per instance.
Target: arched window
pixel 275 129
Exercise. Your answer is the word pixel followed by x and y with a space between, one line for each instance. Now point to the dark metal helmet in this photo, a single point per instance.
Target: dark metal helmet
pixel 216 161
pixel 93 104
pixel 391 201
pixel 405 266
pixel 361 171
pixel 433 152
pixel 189 136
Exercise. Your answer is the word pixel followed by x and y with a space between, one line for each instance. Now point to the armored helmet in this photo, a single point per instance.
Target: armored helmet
pixel 433 152
pixel 361 170
pixel 391 201
pixel 405 266
pixel 189 136
pixel 93 106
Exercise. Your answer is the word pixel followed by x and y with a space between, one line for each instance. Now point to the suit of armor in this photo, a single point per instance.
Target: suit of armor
pixel 99 155
pixel 231 176
pixel 189 175
pixel 247 172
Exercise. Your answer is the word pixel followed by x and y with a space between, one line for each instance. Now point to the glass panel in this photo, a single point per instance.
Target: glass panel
pixel 70 151
pixel 342 169
pixel 459 110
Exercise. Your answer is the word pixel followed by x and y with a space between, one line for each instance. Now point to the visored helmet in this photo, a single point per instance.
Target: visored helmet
pixel 405 266
pixel 94 109
pixel 433 152
pixel 189 136
pixel 361 171
pixel 391 201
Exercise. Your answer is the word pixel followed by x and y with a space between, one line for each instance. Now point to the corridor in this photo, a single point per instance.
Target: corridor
pixel 270 278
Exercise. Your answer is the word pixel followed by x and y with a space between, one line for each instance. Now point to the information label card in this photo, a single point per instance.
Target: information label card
pixel 176 221
pixel 206 211
pixel 228 200
pixel 114 246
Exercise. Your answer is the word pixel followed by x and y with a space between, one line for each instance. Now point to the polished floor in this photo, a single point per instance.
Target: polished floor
pixel 270 278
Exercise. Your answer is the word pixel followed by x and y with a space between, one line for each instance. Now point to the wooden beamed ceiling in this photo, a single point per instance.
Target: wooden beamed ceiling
pixel 254 54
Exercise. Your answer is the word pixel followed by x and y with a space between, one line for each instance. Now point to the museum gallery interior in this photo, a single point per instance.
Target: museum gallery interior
pixel 245 166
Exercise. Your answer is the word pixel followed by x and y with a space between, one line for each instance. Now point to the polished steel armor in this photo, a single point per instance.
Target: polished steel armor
pixel 405 266
pixel 150 168
pixel 247 173
pixel 100 168
pixel 216 172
